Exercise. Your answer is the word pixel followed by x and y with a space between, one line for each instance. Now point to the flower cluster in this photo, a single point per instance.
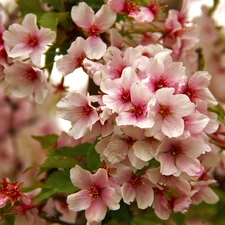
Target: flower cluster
pixel 151 120
pixel 24 45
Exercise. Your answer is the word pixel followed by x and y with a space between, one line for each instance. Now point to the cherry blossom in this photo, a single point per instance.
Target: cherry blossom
pixel 27 212
pixel 169 112
pixel 84 17
pixel 28 39
pixel 138 114
pixel 197 88
pixel 9 192
pixel 95 196
pixel 176 156
pixel 118 91
pixel 25 80
pixel 136 187
pixel 76 107
pixel 74 59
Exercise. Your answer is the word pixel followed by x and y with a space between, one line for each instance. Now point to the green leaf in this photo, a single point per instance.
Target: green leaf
pixel 60 181
pixel 122 214
pixel 29 7
pixel 179 218
pixel 65 157
pixel 57 183
pixel 58 4
pixel 78 151
pixel 44 194
pixel 50 58
pixel 57 161
pixel 219 111
pixel 93 160
pixel 48 141
pixel 49 20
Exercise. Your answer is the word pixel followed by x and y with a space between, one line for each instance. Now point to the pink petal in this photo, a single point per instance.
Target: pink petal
pixel 105 17
pixel 20 50
pixel 128 193
pixel 188 165
pixel 144 196
pixel 79 201
pixel 40 92
pixel 46 36
pixel 161 206
pixel 97 211
pixel 82 15
pixel 143 150
pixel 136 162
pixel 193 148
pixel 30 23
pixel 81 178
pixel 182 105
pixel 95 47
pixel 173 126
pixel 116 151
pixel 182 204
pixel 14 35
pixel 100 178
pixel 117 5
pixel 167 166
pixel 36 55
pixel 110 198
pixel 208 195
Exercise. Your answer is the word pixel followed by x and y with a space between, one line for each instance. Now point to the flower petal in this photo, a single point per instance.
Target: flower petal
pixel 105 17
pixel 79 201
pixel 81 178
pixel 95 47
pixel 97 211
pixel 82 15
pixel 128 193
pixel 110 198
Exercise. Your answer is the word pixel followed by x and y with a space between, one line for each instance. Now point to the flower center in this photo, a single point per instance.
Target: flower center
pixel 79 61
pixel 86 110
pixel 130 7
pixel 137 110
pixel 175 150
pixel 11 190
pixel 130 141
pixel 29 76
pixel 93 192
pixel 160 83
pixel 191 94
pixel 136 182
pixel 94 30
pixel 31 40
pixel 164 110
pixel 125 96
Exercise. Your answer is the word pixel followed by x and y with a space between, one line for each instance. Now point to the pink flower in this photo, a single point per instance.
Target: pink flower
pixel 25 80
pixel 74 59
pixel 164 74
pixel 96 195
pixel 27 39
pixel 84 17
pixel 27 212
pixel 136 187
pixel 138 115
pixel 176 156
pixel 117 91
pixel 9 192
pixel 170 110
pixel 76 107
pixel 197 88
pixel 202 192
